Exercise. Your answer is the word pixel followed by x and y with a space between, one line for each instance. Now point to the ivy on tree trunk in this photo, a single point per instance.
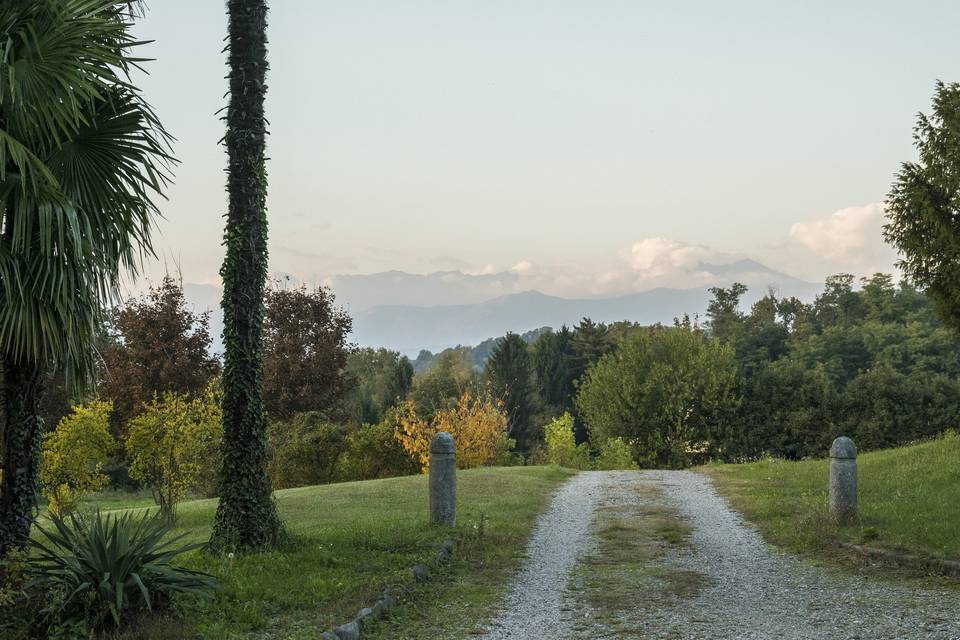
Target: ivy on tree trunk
pixel 247 515
pixel 21 432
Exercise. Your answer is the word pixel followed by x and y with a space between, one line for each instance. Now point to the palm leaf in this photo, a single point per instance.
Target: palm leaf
pixel 82 157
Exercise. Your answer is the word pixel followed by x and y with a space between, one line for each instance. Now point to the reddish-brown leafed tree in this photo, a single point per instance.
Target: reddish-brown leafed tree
pixel 154 344
pixel 305 353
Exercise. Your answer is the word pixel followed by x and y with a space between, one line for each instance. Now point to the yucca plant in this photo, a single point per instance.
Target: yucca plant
pixel 109 567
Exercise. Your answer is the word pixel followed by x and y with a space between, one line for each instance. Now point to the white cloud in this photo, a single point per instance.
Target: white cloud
pixel 849 240
pixel 485 270
pixel 656 257
pixel 843 235
pixel 522 267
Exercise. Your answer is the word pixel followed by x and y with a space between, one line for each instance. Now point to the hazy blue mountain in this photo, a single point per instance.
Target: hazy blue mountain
pixel 478 354
pixel 361 292
pixel 409 328
pixel 412 312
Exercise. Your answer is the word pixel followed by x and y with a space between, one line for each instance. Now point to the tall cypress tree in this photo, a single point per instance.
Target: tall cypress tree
pixel 246 516
pixel 509 372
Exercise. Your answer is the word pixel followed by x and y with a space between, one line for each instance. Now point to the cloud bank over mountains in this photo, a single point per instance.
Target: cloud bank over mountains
pixel 652 280
pixel 849 240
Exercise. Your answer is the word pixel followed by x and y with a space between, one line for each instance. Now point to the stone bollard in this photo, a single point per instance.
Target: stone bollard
pixel 443 479
pixel 843 480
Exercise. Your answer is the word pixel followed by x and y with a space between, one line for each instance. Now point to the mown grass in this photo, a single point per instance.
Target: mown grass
pixel 111 499
pixel 349 541
pixel 908 499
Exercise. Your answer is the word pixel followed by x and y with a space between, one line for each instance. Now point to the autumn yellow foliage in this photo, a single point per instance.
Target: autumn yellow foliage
pixel 477 424
pixel 173 446
pixel 73 456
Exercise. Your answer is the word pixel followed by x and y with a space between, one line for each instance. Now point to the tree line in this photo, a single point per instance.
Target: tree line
pixel 83 159
pixel 781 378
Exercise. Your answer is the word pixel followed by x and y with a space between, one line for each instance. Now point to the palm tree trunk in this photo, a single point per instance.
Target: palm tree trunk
pixel 21 432
pixel 246 516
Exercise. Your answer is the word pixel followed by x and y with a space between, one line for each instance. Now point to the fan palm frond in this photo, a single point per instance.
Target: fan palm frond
pixel 82 158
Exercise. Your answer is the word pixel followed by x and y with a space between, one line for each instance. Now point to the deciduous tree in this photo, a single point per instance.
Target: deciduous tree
pixel 383 378
pixel 154 344
pixel 444 382
pixel 478 425
pixel 669 390
pixel 74 455
pixel 174 445
pixel 305 353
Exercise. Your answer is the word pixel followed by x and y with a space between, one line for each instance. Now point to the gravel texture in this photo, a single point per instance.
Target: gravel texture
pixel 751 591
pixel 562 534
pixel 756 592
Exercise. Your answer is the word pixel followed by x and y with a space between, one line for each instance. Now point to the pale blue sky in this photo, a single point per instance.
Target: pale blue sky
pixel 433 135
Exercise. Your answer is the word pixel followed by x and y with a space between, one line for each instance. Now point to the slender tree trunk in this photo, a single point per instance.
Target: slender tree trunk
pixel 21 432
pixel 246 516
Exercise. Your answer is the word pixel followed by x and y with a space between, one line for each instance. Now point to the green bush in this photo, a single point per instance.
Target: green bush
pixel 103 569
pixel 670 391
pixel 372 451
pixel 174 446
pixel 561 445
pixel 615 454
pixel 28 612
pixel 18 610
pixel 305 450
pixel 74 454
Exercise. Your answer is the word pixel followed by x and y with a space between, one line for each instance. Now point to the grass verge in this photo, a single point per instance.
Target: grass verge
pixel 630 574
pixel 349 541
pixel 907 496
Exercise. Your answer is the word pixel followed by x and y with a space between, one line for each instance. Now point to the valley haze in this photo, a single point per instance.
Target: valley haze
pixel 409 312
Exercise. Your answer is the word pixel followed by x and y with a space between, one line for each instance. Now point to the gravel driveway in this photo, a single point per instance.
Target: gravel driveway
pixel 748 589
pixel 533 608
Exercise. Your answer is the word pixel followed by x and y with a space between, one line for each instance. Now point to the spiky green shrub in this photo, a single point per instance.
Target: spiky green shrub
pixel 107 568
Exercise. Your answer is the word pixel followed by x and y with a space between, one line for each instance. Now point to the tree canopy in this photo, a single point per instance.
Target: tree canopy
pixel 305 353
pixel 665 390
pixel 509 372
pixel 924 202
pixel 154 344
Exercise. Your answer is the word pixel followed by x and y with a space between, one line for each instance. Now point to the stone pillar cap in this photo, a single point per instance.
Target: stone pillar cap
pixel 442 443
pixel 843 447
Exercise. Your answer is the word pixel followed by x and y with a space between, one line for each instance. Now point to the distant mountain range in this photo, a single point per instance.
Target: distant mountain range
pixel 409 328
pixel 446 309
pixel 363 292
pixel 478 354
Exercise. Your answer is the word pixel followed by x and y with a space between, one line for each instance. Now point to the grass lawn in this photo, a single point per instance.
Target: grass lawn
pixel 350 540
pixel 908 499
